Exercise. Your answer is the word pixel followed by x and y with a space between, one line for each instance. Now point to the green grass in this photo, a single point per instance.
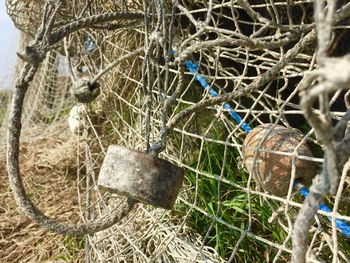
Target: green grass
pixel 232 208
pixel 72 248
pixel 231 205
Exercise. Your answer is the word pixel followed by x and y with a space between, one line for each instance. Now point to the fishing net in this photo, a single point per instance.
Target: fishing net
pixel 192 79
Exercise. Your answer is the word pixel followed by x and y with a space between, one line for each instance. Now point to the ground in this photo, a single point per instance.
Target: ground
pixel 48 171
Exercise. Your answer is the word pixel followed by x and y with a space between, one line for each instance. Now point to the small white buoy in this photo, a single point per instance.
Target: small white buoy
pixel 77 119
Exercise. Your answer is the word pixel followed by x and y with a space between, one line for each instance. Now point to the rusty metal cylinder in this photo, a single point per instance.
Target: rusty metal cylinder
pixel 141 176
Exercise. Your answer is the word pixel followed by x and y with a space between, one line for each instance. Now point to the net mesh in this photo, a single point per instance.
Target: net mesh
pixel 253 51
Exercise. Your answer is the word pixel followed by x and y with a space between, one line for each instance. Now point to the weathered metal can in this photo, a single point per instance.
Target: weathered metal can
pixel 141 176
pixel 267 156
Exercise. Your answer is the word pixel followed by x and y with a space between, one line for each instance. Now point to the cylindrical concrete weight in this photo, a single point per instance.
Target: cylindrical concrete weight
pixel 142 176
pixel 272 170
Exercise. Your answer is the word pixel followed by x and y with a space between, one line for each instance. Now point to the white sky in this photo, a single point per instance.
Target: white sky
pixel 8 47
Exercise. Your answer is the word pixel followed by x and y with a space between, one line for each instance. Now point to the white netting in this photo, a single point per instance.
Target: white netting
pixel 254 52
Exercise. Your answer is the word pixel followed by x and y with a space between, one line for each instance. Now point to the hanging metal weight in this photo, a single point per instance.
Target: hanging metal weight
pixel 141 176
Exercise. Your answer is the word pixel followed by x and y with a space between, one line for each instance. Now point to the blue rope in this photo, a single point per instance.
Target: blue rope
pixel 193 68
pixel 343 227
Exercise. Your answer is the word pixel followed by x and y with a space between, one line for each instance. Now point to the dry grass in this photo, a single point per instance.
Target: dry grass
pixel 48 171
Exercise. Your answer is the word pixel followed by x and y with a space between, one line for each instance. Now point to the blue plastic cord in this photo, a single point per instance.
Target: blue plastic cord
pixel 343 227
pixel 193 68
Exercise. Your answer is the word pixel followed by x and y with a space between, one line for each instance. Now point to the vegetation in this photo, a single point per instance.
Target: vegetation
pixel 231 205
pixel 228 203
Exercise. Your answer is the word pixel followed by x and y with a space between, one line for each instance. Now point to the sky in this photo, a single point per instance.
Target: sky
pixel 8 47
